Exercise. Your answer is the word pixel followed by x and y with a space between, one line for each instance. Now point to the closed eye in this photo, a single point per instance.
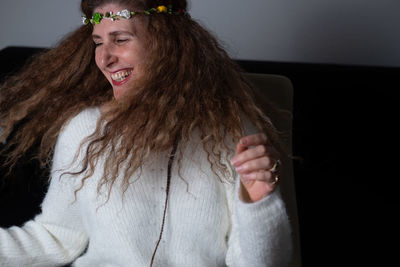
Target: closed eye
pixel 121 41
pixel 97 40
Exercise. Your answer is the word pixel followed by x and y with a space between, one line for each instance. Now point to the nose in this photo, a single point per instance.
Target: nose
pixel 106 56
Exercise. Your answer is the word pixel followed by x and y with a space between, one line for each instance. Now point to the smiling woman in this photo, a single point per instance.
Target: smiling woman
pixel 158 153
pixel 120 49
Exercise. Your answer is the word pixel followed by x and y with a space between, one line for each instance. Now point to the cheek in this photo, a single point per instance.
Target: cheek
pixel 136 53
pixel 140 56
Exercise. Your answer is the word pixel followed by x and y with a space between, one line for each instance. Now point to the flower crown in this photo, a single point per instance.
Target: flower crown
pixel 126 14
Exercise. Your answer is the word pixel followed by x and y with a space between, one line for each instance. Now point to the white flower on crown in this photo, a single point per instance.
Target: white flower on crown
pixel 124 14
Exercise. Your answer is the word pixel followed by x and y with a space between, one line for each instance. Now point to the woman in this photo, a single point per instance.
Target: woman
pixel 144 174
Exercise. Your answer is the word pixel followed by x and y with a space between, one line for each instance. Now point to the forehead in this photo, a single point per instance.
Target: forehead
pixel 107 26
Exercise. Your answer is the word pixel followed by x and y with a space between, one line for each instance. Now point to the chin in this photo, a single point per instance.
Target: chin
pixel 118 92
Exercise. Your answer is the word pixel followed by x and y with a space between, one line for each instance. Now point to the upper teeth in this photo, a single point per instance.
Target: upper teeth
pixel 121 75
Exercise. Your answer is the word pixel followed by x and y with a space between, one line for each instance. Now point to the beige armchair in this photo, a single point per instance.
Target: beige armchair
pixel 279 90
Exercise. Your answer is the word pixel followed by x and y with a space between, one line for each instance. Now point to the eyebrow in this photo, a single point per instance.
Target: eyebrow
pixel 116 33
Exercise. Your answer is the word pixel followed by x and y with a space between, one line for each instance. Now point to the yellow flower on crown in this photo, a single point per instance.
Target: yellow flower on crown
pixel 162 9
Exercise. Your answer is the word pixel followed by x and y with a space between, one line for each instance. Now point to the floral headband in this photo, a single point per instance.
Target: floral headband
pixel 126 14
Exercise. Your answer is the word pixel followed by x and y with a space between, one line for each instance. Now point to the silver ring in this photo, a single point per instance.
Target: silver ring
pixel 275 168
pixel 275 181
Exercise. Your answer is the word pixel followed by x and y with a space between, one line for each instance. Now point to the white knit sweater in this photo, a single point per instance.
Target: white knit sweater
pixel 206 224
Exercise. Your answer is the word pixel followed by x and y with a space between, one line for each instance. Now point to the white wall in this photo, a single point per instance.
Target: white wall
pixel 365 32
pixel 39 23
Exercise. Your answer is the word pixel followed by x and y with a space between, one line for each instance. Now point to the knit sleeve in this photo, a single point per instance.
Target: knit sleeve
pixel 260 234
pixel 56 236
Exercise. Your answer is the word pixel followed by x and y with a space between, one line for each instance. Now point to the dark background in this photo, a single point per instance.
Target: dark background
pixel 344 130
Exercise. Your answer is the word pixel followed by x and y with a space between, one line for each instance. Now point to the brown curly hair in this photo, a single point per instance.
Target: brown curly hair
pixel 190 84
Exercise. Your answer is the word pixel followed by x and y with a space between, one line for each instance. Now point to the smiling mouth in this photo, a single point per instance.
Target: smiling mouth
pixel 120 76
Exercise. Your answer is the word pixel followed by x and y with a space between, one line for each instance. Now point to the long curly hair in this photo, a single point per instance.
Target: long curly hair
pixel 190 83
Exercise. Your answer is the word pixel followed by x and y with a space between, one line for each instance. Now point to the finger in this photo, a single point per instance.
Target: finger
pixel 240 148
pixel 259 164
pixel 265 176
pixel 249 154
pixel 250 140
pixel 254 140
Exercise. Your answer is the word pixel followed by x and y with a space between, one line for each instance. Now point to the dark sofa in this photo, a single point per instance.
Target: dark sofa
pixel 344 132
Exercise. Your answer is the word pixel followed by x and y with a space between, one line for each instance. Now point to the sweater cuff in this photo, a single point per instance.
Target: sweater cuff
pixel 264 210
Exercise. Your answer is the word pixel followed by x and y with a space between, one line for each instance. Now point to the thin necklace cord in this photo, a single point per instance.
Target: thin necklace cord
pixel 170 161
